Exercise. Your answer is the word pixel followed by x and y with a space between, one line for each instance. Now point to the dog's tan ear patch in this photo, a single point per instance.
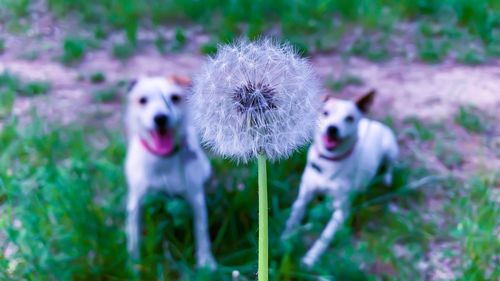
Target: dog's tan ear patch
pixel 365 101
pixel 180 80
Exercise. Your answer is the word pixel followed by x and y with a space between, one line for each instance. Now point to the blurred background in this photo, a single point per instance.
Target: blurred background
pixel 64 67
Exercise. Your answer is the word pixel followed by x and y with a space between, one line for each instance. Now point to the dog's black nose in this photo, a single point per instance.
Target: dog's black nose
pixel 161 120
pixel 332 132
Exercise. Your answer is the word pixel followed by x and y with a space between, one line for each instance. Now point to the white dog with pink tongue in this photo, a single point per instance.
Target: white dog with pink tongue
pixel 164 155
pixel 347 152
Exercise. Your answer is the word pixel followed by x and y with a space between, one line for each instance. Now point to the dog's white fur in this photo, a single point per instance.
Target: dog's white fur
pixel 182 173
pixel 364 145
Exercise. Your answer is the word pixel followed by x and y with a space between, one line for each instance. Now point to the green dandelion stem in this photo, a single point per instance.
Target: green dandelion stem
pixel 263 217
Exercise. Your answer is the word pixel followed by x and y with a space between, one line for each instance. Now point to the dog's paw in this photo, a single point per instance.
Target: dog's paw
pixel 207 261
pixel 133 248
pixel 308 262
pixel 388 180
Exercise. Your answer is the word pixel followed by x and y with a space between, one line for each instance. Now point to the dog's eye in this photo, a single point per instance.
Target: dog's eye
pixel 176 98
pixel 143 100
pixel 349 119
pixel 325 113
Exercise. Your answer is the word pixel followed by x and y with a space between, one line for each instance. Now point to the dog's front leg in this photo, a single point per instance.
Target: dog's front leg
pixel 298 209
pixel 133 226
pixel 203 248
pixel 326 236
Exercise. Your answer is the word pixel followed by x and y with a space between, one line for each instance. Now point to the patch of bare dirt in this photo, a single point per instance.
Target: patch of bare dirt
pixel 427 91
pixel 431 92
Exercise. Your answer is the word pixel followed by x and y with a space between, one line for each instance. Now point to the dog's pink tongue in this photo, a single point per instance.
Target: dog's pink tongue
pixel 162 143
pixel 330 143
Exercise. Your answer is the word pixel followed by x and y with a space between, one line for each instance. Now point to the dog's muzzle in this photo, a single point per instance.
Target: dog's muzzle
pixel 331 138
pixel 161 141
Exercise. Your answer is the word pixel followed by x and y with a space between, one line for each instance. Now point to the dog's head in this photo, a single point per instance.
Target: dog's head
pixel 338 121
pixel 157 110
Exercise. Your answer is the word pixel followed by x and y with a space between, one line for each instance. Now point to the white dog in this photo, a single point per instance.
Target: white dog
pixel 347 152
pixel 164 155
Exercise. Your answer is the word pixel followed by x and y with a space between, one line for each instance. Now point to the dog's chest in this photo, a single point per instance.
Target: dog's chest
pixel 167 175
pixel 175 174
pixel 332 176
pixel 350 174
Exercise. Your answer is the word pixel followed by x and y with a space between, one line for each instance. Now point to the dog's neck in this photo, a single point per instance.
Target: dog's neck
pixel 344 150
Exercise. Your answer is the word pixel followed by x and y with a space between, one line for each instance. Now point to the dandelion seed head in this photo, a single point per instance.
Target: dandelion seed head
pixel 263 101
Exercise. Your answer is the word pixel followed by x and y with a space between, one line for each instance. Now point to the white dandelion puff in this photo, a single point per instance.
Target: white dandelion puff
pixel 255 98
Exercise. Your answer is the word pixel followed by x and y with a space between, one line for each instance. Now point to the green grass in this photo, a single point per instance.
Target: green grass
pixel 337 84
pixel 123 51
pixel 209 48
pixel 11 87
pixel 97 77
pixel 310 25
pixel 448 154
pixel 478 210
pixel 11 83
pixel 471 57
pixel 432 50
pixel 8 86
pixel 63 221
pixel 74 50
pixel 470 119
pixel 62 202
pixel 179 40
pixel 305 17
pixel 176 45
pixel 372 48
pixel 160 44
pixel 418 130
pixel 105 95
pixel 2 46
pixel 35 88
pixel 19 8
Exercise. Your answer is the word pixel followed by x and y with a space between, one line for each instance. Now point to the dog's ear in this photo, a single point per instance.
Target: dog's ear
pixel 325 97
pixel 180 80
pixel 365 101
pixel 131 85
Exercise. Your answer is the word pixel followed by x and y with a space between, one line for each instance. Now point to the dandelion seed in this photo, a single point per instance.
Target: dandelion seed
pixel 255 98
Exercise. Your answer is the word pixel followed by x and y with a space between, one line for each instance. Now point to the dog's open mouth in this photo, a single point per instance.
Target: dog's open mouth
pixel 161 141
pixel 331 143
